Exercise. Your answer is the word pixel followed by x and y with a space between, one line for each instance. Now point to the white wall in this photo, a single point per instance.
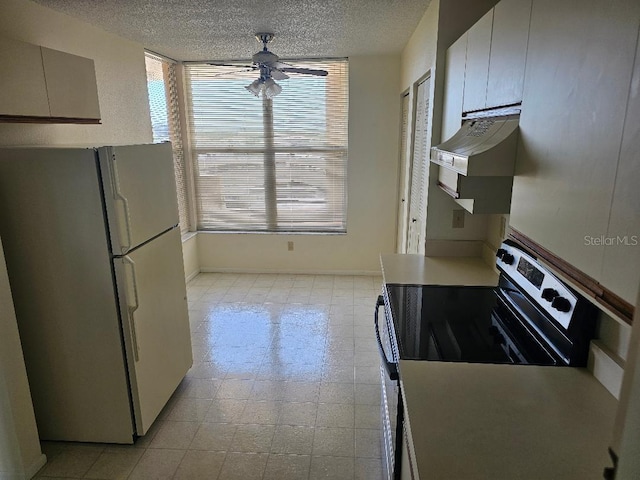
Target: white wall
pixel 190 256
pixel 124 107
pixel 419 55
pixel 374 116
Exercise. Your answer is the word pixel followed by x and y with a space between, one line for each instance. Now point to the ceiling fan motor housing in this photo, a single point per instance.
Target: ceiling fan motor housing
pixel 265 58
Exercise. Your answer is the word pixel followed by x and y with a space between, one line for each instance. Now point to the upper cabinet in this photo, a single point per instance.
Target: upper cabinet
pixel 454 87
pixel 23 89
pixel 495 56
pixel 38 84
pixel 477 64
pixel 509 38
pixel 71 85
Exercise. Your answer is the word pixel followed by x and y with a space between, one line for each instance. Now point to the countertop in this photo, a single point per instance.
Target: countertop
pixel 421 270
pixel 506 422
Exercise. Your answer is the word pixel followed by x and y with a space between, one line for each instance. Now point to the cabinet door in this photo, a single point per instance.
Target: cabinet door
pixel 620 271
pixel 71 85
pixel 454 87
pixel 477 64
pixel 509 38
pixel 23 91
pixel 578 75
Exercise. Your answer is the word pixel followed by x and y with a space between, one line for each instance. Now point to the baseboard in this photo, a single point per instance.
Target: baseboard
pixel 358 273
pixel 29 472
pixel 606 366
pixel 192 275
pixel 36 466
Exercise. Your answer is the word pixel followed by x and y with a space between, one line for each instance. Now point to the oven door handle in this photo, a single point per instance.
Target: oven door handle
pixel 392 368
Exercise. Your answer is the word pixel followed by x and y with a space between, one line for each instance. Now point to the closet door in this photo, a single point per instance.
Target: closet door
pixel 403 207
pixel 419 169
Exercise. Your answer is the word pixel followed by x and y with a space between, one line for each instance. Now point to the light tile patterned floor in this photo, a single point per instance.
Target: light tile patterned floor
pixel 284 385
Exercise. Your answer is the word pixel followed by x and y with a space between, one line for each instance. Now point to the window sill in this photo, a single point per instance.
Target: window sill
pixel 244 232
pixel 188 236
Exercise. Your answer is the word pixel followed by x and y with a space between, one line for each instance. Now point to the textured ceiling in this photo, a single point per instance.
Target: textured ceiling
pixel 223 29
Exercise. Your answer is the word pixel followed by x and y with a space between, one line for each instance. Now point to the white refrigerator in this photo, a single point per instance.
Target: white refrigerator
pixel 94 257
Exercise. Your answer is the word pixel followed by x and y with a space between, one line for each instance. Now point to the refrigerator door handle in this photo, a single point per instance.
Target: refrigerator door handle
pixel 132 308
pixel 125 203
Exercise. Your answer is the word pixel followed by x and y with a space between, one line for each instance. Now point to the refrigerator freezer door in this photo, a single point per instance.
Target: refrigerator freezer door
pixel 153 302
pixel 52 225
pixel 140 193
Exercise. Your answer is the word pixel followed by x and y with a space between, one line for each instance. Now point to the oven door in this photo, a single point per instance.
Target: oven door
pixel 391 400
pixel 517 335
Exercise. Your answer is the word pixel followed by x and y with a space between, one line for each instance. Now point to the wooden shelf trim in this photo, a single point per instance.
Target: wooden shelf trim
pixel 592 287
pixel 29 119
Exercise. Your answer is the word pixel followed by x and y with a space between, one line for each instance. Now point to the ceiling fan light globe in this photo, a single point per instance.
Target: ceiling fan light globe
pixel 255 87
pixel 271 88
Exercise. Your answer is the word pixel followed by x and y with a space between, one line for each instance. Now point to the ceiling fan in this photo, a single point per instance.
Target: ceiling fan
pixel 271 69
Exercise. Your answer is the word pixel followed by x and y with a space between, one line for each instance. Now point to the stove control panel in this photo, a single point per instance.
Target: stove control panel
pixel 535 279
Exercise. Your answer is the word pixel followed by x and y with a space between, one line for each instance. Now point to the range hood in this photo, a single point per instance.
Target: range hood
pixel 482 147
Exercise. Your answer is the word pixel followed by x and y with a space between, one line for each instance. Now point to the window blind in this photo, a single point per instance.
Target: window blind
pixel 165 123
pixel 269 164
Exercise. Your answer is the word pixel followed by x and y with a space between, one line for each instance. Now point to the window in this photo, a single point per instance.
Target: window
pixel 165 123
pixel 271 165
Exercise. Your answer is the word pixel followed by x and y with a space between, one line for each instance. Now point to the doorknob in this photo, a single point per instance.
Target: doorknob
pixel 414 220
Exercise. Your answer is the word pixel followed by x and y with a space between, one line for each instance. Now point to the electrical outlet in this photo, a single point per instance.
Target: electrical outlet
pixel 290 246
pixel 458 219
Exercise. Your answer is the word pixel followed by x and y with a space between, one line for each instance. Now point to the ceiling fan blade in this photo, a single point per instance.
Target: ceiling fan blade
pixel 278 75
pixel 228 73
pixel 216 64
pixel 305 71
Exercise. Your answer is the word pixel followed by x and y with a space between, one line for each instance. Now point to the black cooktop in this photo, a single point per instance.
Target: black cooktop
pixel 444 323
